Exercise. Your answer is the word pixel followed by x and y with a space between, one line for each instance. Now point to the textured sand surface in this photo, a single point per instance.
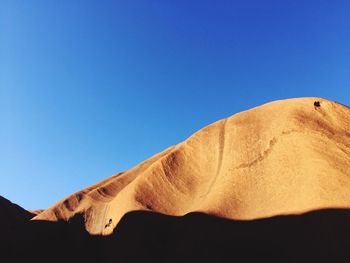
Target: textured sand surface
pixel 284 157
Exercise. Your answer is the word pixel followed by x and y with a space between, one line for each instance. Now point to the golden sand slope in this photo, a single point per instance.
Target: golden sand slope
pixel 284 157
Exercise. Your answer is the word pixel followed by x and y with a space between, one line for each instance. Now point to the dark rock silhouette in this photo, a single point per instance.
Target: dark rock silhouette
pixel 319 236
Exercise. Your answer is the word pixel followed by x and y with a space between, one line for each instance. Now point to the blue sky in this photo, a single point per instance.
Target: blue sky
pixel 90 88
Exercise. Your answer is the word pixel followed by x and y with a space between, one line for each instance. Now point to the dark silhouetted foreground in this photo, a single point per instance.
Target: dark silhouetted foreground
pixel 319 236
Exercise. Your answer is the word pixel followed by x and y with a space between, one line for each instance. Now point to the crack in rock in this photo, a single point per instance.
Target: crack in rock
pixel 261 156
pixel 265 153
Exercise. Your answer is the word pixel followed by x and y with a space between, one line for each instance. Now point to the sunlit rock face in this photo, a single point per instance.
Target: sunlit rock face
pixel 284 157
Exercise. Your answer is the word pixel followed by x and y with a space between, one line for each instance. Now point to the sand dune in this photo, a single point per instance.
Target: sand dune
pixel 284 157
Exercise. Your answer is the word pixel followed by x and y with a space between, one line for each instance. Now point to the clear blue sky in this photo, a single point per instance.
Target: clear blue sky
pixel 90 88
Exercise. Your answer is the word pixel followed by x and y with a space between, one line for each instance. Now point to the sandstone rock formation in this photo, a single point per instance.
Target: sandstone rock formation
pixel 12 214
pixel 13 219
pixel 285 157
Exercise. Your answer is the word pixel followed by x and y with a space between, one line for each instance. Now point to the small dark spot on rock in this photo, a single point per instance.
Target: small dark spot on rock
pixel 317 104
pixel 109 223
